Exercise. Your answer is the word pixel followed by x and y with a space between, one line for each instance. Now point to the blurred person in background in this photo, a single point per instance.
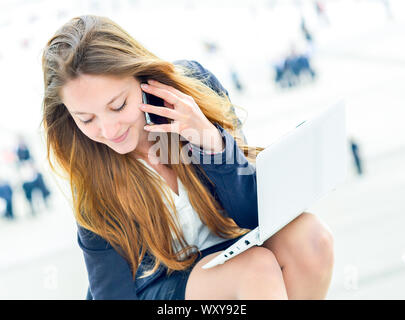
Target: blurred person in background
pixel 278 67
pixel 321 11
pixel 354 146
pixel 146 226
pixel 307 35
pixel 22 151
pixel 387 6
pixel 32 181
pixel 210 47
pixel 236 80
pixel 294 69
pixel 6 193
pixel 7 159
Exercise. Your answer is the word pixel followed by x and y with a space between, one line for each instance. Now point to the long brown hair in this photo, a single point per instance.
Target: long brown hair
pixel 135 220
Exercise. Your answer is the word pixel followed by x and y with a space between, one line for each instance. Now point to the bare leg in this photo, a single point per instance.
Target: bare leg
pixel 304 250
pixel 254 274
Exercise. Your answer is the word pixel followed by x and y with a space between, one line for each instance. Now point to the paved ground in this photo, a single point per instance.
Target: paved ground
pixel 363 63
pixel 365 215
pixel 367 218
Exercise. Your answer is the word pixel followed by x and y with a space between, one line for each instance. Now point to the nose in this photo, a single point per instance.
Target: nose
pixel 109 129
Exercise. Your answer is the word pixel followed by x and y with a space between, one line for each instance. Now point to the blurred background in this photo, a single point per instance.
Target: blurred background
pixel 281 61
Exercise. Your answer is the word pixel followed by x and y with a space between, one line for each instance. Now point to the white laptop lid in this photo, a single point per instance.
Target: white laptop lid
pixel 300 168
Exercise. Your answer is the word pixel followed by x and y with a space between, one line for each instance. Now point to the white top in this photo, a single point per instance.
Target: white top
pixel 195 232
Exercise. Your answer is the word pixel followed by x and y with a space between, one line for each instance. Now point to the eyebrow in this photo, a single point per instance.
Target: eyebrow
pixel 111 101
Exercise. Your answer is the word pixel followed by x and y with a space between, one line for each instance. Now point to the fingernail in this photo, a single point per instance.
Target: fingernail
pixel 144 86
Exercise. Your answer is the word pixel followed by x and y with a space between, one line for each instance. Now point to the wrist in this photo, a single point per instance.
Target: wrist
pixel 212 142
pixel 215 142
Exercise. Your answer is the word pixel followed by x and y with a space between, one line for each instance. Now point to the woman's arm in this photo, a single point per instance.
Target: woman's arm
pixel 234 179
pixel 109 274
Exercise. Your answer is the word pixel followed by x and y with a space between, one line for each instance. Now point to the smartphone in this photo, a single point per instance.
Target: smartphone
pixel 152 118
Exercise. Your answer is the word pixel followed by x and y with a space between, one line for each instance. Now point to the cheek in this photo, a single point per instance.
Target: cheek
pixel 135 119
pixel 137 115
pixel 89 130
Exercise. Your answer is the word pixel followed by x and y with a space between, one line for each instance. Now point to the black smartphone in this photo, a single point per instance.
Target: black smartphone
pixel 152 118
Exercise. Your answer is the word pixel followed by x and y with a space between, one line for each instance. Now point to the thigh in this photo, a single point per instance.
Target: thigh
pixel 297 238
pixel 195 282
pixel 224 281
pixel 173 286
pixel 214 283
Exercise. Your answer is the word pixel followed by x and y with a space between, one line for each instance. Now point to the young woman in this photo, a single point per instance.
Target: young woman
pixel 155 203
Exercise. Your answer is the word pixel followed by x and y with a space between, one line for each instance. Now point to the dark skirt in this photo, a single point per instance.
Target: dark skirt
pixel 173 286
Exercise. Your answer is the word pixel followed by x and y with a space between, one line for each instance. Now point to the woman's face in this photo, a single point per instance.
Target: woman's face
pixel 106 109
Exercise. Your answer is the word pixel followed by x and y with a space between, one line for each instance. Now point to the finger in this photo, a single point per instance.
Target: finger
pixel 168 105
pixel 160 111
pixel 168 127
pixel 167 87
pixel 164 94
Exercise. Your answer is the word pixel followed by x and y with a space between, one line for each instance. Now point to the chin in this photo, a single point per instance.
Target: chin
pixel 119 151
pixel 122 150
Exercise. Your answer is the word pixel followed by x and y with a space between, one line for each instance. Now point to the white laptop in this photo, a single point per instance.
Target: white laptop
pixel 293 173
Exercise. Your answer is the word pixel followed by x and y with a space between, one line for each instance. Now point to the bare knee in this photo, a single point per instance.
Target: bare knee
pixel 262 272
pixel 260 261
pixel 254 273
pixel 324 251
pixel 317 255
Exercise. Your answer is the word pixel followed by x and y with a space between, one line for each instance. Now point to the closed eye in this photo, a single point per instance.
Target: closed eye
pixel 117 110
pixel 122 107
pixel 86 122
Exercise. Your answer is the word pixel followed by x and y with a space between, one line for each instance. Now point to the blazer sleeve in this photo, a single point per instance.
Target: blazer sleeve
pixel 110 277
pixel 209 79
pixel 203 74
pixel 234 179
pixel 233 176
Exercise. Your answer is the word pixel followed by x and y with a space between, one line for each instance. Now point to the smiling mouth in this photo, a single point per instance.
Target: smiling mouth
pixel 121 138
